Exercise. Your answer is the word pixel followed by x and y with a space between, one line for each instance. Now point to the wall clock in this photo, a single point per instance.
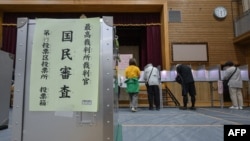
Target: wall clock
pixel 220 12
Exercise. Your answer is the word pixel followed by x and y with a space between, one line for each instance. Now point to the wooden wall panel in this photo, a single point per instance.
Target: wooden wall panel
pixel 199 25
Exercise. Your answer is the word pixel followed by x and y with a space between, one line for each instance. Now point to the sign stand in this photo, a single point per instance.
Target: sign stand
pixel 35 125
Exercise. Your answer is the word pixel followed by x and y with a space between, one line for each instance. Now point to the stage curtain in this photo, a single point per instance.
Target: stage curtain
pixel 9 38
pixel 150 36
pixel 153 46
pixel 149 39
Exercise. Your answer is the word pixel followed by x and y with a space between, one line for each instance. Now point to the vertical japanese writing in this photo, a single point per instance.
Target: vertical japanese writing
pixel 65 65
pixel 87 54
pixel 45 55
pixel 65 72
pixel 43 96
pixel 65 92
pixel 45 66
pixel 67 36
pixel 66 54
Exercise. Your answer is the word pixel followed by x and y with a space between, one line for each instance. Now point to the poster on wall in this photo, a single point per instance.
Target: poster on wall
pixel 124 63
pixel 186 52
pixel 65 65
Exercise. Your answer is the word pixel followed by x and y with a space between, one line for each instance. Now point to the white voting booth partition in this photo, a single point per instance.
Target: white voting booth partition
pixel 6 63
pixel 64 81
pixel 200 74
pixel 213 75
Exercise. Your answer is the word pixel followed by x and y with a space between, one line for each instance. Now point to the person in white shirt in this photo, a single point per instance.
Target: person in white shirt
pixel 235 85
pixel 152 76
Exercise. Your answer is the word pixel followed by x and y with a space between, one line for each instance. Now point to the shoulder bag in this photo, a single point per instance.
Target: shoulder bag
pixel 225 83
pixel 147 85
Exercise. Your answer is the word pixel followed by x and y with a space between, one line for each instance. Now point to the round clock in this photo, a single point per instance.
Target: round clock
pixel 220 12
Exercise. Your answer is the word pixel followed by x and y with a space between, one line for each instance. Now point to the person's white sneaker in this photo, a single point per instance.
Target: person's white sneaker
pixel 241 108
pixel 133 109
pixel 234 107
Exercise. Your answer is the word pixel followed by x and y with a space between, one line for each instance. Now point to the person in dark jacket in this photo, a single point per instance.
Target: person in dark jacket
pixel 185 79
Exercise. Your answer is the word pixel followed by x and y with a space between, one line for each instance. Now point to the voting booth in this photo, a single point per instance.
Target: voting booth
pixel 65 80
pixel 202 74
pixel 213 75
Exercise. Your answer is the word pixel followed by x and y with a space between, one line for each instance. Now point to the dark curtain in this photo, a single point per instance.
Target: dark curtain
pixel 143 50
pixel 150 49
pixel 148 39
pixel 10 29
pixel 154 45
pixel 130 36
pixel 9 39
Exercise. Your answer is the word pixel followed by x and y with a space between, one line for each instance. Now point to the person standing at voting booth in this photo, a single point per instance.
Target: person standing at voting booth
pixel 185 79
pixel 235 84
pixel 152 80
pixel 132 74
